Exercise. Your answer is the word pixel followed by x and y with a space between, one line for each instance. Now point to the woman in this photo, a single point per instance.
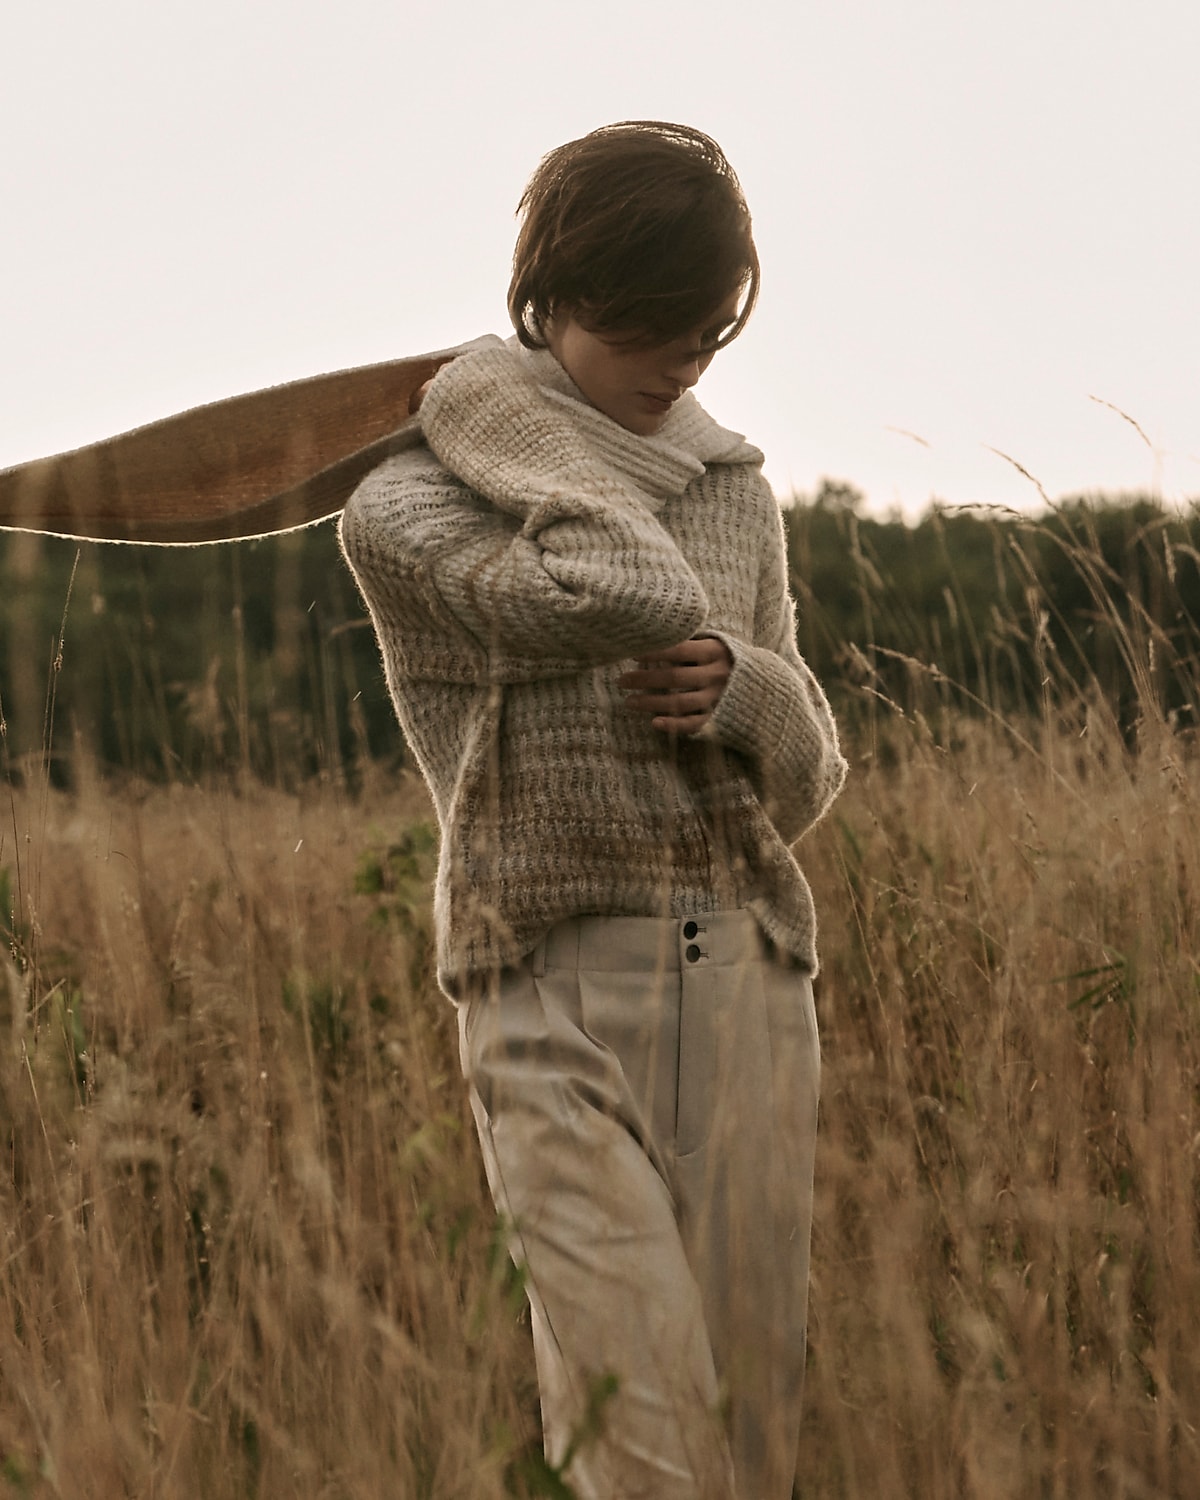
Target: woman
pixel 580 591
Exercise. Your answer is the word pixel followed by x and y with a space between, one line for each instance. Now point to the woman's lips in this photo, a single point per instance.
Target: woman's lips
pixel 658 403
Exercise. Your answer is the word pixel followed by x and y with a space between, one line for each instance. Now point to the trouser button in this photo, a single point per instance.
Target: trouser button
pixel 690 929
pixel 691 953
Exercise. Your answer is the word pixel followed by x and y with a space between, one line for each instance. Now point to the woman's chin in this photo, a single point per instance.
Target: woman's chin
pixel 643 423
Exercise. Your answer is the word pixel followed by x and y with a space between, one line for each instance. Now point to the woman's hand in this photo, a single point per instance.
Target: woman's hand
pixel 414 401
pixel 680 686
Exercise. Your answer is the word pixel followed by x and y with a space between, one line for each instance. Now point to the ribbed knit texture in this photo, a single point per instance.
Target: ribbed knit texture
pixel 513 567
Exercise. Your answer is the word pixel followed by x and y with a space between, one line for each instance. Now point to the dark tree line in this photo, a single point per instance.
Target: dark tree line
pixel 180 661
pixel 1095 600
pixel 258 656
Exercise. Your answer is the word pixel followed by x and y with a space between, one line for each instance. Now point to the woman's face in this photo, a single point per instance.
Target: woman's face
pixel 633 382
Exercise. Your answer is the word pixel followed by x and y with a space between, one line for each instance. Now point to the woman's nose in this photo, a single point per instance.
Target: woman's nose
pixel 686 370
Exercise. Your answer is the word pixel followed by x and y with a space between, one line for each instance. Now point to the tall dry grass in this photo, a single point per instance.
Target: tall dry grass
pixel 247 1250
pixel 245 1244
pixel 1007 1276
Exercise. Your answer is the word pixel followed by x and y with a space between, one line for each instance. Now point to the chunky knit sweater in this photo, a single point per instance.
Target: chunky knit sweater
pixel 514 564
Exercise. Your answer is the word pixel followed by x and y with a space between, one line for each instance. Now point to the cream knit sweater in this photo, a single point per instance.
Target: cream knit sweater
pixel 513 565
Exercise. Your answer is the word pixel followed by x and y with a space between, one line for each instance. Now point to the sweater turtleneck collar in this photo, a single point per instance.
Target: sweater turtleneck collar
pixel 661 466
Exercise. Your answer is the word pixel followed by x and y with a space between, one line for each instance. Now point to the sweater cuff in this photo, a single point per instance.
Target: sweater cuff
pixel 756 713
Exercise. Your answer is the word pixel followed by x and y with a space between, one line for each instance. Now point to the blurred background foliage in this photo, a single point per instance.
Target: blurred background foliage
pixel 258 657
pixel 166 661
pixel 1096 598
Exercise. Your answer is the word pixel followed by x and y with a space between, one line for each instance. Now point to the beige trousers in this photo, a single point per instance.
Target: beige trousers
pixel 646 1097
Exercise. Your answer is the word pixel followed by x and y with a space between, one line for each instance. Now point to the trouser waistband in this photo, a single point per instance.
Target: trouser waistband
pixel 617 944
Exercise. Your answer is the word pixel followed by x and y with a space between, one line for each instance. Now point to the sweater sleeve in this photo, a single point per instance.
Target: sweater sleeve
pixel 518 540
pixel 773 710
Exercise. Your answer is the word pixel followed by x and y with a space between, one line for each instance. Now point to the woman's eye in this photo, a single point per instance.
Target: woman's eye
pixel 711 342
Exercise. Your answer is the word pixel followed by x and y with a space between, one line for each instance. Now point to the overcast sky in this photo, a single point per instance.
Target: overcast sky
pixel 973 218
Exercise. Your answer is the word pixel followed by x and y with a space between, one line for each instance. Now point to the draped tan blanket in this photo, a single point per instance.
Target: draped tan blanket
pixel 248 466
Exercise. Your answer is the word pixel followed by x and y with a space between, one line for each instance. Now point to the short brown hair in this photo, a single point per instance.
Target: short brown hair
pixel 639 227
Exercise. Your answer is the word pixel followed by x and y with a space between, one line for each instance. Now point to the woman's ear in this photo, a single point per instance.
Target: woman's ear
pixel 550 333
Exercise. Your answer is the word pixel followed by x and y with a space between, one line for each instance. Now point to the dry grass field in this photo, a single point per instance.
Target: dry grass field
pixel 247 1250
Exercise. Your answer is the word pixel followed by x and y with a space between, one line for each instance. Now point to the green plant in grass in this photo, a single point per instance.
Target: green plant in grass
pixel 398 876
pixel 532 1475
pixel 322 1002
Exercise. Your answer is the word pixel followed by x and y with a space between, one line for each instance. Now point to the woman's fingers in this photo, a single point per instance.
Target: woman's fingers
pixel 691 664
pixel 678 680
pixel 680 685
pixel 696 701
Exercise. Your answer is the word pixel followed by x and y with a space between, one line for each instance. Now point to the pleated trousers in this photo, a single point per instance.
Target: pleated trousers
pixel 645 1093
